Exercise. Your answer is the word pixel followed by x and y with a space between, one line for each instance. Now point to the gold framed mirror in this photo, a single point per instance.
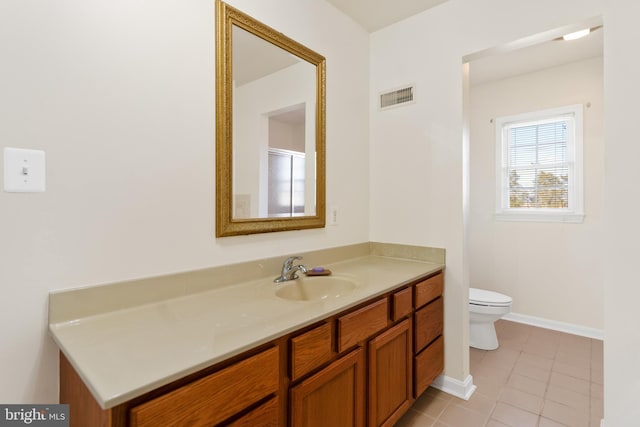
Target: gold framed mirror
pixel 270 129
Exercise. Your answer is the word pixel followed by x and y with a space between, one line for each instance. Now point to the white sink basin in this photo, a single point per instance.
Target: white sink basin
pixel 315 288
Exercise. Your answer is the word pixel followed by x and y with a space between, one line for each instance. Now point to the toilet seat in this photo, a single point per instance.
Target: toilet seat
pixel 486 298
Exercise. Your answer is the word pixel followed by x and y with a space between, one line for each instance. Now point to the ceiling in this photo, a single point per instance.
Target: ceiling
pixel 543 55
pixel 373 15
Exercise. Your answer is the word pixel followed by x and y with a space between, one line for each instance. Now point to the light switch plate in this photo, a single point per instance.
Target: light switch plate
pixel 24 170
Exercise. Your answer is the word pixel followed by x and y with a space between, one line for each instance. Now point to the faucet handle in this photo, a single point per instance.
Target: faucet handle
pixel 289 261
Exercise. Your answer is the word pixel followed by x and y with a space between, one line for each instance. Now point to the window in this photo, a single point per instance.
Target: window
pixel 539 166
pixel 286 183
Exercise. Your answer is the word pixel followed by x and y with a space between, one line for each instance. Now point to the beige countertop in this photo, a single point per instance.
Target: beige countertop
pixel 126 352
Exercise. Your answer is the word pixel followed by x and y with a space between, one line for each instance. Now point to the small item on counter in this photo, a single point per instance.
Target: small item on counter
pixel 318 271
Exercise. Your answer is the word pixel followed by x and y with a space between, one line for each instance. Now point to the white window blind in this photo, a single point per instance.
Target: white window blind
pixel 540 165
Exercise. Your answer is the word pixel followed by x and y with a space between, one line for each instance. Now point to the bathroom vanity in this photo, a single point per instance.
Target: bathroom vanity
pixel 242 355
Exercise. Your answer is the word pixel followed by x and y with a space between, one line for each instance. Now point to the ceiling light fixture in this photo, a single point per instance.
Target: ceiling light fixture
pixel 577 34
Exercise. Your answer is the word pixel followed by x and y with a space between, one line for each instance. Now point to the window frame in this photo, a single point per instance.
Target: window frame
pixel 575 211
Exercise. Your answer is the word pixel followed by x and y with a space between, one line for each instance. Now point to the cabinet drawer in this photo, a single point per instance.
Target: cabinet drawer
pixel 428 290
pixel 401 304
pixel 265 415
pixel 428 323
pixel 214 398
pixel 428 365
pixel 310 350
pixel 361 324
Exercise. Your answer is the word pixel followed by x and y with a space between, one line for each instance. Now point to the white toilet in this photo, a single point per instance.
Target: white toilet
pixel 485 307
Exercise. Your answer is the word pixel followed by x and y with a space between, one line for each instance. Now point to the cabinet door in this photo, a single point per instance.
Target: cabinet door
pixel 332 397
pixel 390 377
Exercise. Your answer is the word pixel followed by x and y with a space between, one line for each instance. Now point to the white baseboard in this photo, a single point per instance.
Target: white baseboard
pixel 602 422
pixel 462 389
pixel 569 328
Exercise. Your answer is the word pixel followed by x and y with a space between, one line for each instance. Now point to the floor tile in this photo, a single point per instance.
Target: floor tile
pixel 536 360
pixel 515 417
pixel 572 383
pixel 597 391
pixel 487 386
pixel 531 371
pixel 415 419
pixel 572 370
pixel 520 399
pixel 537 377
pixel 568 398
pixel 455 415
pixel 564 414
pixel 477 402
pixel 545 422
pixel 597 375
pixel 528 385
pixel 430 405
pixel 432 391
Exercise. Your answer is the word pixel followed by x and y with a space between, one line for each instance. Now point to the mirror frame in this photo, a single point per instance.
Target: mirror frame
pixel 226 225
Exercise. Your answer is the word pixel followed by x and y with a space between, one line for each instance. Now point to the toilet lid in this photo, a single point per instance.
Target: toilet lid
pixel 484 297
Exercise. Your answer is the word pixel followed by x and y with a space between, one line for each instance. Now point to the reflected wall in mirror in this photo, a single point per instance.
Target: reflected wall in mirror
pixel 270 129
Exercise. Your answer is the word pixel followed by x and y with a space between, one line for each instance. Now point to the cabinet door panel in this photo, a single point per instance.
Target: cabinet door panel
pixel 390 375
pixel 332 397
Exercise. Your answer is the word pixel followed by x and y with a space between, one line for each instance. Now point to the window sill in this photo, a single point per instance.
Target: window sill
pixel 528 216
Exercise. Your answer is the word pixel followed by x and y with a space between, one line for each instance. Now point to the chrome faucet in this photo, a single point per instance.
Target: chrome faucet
pixel 289 271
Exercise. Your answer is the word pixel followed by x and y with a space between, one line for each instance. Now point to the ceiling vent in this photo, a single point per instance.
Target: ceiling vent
pixel 396 97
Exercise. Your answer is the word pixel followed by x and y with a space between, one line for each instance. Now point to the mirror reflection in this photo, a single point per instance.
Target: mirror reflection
pixel 274 148
pixel 270 118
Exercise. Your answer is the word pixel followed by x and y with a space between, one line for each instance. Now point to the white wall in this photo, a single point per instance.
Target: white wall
pixel 420 197
pixel 120 96
pixel 622 229
pixel 551 270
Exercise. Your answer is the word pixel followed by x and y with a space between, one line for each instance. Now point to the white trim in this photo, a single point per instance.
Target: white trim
pixel 602 422
pixel 555 325
pixel 462 389
pixel 512 215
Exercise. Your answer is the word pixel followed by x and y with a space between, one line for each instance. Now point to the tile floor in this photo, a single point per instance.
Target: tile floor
pixel 537 378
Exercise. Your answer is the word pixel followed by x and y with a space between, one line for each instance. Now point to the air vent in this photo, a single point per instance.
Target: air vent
pixel 396 97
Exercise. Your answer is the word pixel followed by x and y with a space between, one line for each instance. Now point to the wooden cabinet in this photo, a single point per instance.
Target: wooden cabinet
pixel 311 350
pixel 390 377
pixel 265 415
pixel 429 363
pixel 428 290
pixel 428 326
pixel 359 325
pixel 363 366
pixel 334 396
pixel 429 323
pixel 401 304
pixel 214 398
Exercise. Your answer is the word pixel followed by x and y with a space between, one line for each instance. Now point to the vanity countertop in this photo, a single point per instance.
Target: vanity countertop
pixel 124 353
